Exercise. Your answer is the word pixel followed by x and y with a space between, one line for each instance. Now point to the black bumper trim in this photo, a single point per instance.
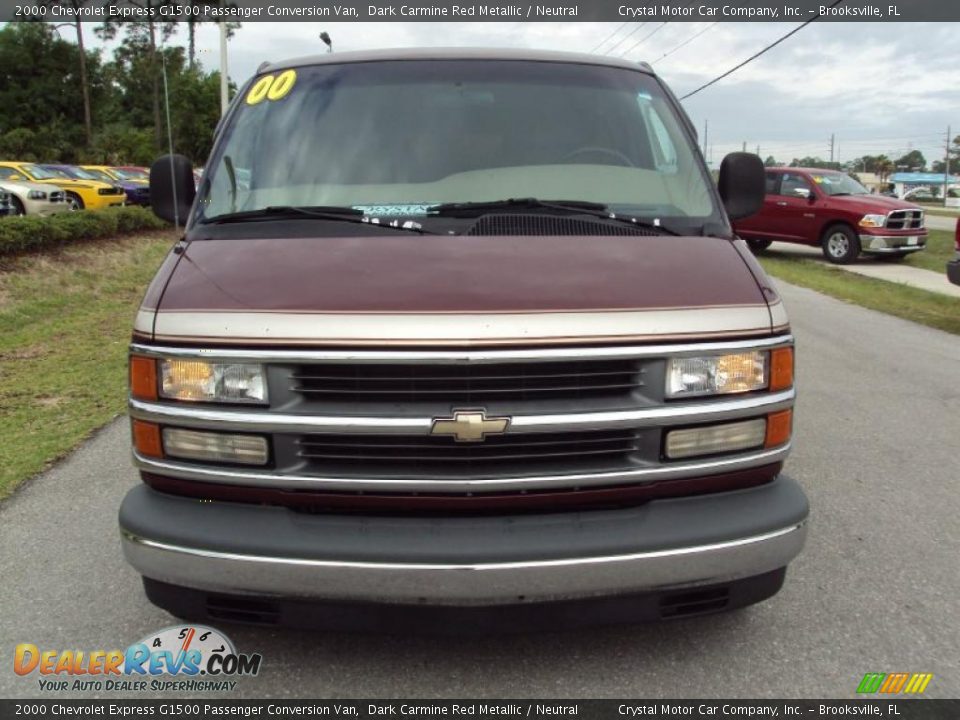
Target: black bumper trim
pixel 662 524
pixel 332 616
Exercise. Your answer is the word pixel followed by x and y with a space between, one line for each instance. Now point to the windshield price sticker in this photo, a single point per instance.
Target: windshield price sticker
pixel 272 87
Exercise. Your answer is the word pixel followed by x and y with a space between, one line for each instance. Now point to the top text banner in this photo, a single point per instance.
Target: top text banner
pixel 98 11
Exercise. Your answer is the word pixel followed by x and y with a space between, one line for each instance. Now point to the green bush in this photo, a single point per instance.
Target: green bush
pixel 22 234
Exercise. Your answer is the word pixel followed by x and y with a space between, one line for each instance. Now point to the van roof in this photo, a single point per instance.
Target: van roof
pixel 457 54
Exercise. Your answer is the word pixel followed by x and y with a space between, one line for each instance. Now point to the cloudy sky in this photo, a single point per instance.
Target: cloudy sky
pixel 878 87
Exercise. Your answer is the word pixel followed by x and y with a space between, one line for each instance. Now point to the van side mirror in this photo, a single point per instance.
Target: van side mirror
pixel 742 184
pixel 172 188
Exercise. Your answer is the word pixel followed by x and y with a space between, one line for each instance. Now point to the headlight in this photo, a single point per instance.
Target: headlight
pixel 200 381
pixel 873 221
pixel 37 195
pixel 717 374
pixel 215 447
pixel 714 439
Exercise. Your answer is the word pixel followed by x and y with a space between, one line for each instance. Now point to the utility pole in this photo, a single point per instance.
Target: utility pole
pixel 946 168
pixel 758 149
pixel 744 145
pixel 224 100
pixel 833 140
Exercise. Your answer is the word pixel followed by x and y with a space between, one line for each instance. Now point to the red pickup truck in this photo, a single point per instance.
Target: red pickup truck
pixel 831 210
pixel 953 267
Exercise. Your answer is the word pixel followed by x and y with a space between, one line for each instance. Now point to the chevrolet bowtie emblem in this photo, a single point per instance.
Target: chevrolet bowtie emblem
pixel 469 426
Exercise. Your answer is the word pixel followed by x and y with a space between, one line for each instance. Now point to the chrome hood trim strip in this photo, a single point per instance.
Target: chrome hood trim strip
pixel 440 328
pixel 462 357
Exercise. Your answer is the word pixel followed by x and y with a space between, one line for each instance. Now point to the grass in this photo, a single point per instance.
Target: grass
pixel 65 322
pixel 940 210
pixel 927 308
pixel 940 249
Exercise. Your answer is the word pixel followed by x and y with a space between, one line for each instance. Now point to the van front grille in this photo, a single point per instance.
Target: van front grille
pixel 459 384
pixel 392 455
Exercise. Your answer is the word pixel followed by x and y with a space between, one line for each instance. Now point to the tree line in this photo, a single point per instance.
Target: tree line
pixel 880 165
pixel 62 102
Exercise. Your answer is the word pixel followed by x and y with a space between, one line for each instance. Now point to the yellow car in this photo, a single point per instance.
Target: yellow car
pixel 138 191
pixel 81 194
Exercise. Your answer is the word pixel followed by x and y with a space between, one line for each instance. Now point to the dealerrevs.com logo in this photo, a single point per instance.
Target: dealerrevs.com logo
pixel 178 658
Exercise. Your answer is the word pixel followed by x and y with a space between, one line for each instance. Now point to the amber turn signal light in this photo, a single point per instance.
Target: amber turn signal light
pixel 779 428
pixel 143 377
pixel 781 368
pixel 146 439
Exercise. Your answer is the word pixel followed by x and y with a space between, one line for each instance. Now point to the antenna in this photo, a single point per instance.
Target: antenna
pixel 173 180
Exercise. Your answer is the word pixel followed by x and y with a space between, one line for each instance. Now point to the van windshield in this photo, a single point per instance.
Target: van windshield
pixel 394 138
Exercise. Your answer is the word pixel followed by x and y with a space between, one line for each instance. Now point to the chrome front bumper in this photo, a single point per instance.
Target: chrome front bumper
pixel 270 551
pixel 884 244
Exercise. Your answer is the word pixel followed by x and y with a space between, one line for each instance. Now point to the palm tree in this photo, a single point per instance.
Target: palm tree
pixel 883 166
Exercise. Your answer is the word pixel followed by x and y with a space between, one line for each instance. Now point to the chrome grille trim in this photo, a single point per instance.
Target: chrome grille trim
pixel 211 418
pixel 672 471
pixel 459 356
pixel 908 219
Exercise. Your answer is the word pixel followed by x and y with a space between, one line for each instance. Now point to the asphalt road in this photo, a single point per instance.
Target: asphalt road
pixel 941 222
pixel 877 588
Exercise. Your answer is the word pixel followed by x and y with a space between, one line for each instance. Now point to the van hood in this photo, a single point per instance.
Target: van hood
pixel 456 290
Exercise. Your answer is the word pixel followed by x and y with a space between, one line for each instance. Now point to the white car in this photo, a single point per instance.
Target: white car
pixel 29 198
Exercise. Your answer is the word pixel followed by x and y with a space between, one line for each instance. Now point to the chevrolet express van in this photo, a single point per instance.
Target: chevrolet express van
pixel 459 339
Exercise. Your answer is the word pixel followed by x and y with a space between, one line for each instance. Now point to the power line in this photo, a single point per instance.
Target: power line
pixel 642 40
pixel 756 55
pixel 684 43
pixel 620 41
pixel 609 37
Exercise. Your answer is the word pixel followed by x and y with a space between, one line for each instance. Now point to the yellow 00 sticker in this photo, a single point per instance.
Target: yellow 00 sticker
pixel 272 87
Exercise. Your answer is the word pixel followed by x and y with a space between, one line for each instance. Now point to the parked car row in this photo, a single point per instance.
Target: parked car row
pixel 47 189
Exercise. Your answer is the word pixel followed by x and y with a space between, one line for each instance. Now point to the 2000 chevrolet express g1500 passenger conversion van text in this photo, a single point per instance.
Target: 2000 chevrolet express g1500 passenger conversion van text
pixel 459 333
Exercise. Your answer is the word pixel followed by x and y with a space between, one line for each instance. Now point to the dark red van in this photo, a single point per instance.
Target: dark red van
pixel 460 333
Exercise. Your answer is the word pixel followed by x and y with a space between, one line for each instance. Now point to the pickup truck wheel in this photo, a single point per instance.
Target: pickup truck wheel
pixel 840 245
pixel 759 245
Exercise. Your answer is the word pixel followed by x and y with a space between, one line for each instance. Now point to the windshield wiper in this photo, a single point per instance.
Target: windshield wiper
pixel 566 207
pixel 333 213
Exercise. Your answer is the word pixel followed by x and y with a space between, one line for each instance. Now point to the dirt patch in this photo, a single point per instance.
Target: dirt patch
pixel 48 401
pixel 31 353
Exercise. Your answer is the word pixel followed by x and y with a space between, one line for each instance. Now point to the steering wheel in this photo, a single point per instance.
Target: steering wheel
pixel 610 152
